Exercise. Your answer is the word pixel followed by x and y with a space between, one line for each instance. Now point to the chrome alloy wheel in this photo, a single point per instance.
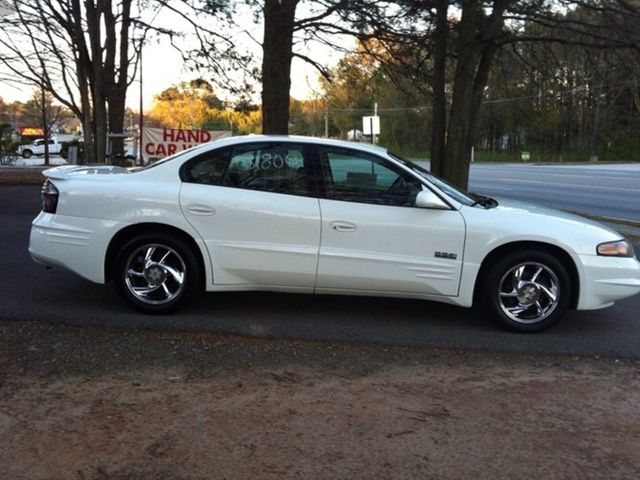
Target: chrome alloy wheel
pixel 155 274
pixel 529 292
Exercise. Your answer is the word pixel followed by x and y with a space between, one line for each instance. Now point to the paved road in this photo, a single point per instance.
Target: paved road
pixel 605 190
pixel 28 291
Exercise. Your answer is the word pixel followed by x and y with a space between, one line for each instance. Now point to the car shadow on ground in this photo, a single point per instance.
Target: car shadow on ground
pixel 294 316
pixel 62 298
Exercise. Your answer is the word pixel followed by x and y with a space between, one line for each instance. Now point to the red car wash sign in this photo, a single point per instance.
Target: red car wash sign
pixel 161 142
pixel 26 131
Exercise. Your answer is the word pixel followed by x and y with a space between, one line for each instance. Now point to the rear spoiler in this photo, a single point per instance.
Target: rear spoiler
pixel 65 171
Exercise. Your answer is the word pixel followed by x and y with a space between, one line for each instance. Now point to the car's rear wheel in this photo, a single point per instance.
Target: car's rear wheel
pixel 156 273
pixel 27 154
pixel 527 291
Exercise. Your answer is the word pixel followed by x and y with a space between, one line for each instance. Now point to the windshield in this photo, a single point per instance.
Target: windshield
pixel 458 195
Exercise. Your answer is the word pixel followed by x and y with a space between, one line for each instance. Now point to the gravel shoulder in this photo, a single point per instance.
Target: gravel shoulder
pixel 122 404
pixel 21 176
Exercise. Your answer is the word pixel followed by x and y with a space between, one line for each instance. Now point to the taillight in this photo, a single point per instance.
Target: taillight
pixel 49 197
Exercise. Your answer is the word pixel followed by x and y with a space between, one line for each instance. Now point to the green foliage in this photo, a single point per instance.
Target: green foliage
pixel 358 82
pixel 8 145
pixel 64 148
pixel 562 101
pixel 306 117
pixel 195 105
pixel 535 156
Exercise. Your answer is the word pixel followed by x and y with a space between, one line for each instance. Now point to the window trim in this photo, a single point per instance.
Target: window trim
pixel 305 148
pixel 181 172
pixel 384 161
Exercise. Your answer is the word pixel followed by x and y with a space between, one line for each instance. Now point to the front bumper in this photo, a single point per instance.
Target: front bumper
pixel 606 279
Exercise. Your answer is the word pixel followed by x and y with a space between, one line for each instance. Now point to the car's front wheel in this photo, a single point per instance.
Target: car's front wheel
pixel 156 273
pixel 527 291
pixel 27 154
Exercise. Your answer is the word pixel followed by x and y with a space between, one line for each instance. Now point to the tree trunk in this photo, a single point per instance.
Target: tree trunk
pixel 45 125
pixel 439 122
pixel 116 103
pixel 476 51
pixel 87 129
pixel 83 67
pixel 100 128
pixel 94 14
pixel 116 77
pixel 480 83
pixel 456 167
pixel 277 46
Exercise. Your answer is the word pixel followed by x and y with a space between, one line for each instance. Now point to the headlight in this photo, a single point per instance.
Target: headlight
pixel 620 248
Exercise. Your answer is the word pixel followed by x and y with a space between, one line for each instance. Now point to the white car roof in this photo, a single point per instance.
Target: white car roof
pixel 298 139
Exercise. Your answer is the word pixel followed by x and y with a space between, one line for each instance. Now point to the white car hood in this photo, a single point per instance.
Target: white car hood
pixel 529 208
pixel 512 221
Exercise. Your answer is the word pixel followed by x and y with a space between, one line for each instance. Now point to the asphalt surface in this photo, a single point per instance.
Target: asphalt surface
pixel 606 190
pixel 28 291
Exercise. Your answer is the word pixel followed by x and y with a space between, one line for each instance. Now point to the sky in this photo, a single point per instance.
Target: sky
pixel 163 66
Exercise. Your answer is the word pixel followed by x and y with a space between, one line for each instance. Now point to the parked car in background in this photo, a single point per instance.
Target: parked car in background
pixel 36 148
pixel 306 215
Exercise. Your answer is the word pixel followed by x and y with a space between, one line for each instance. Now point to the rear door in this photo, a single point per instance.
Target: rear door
pixel 254 207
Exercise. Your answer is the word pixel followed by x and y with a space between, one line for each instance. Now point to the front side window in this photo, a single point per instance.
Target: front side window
pixel 278 168
pixel 359 177
pixel 458 195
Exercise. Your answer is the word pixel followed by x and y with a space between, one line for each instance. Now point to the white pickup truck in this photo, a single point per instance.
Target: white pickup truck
pixel 37 148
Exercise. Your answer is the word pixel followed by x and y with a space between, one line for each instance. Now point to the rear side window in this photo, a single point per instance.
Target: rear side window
pixel 273 167
pixel 208 168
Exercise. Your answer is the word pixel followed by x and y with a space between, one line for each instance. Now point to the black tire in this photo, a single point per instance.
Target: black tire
pixel 526 291
pixel 156 273
pixel 27 154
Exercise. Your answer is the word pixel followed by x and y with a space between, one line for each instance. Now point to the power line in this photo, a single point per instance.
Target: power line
pixel 582 88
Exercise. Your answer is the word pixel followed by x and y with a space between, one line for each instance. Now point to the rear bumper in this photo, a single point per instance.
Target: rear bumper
pixel 71 243
pixel 607 279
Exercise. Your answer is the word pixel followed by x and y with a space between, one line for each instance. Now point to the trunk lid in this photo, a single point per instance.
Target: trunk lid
pixel 68 171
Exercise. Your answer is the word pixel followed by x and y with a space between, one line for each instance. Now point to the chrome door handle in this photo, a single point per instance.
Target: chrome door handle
pixel 343 226
pixel 201 210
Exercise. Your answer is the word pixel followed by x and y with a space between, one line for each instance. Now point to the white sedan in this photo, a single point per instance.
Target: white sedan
pixel 294 214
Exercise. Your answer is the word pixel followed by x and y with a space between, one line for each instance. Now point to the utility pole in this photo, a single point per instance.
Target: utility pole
pixel 596 126
pixel 326 120
pixel 375 114
pixel 45 126
pixel 141 120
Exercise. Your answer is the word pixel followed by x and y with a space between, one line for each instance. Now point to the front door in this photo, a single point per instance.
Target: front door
pixel 375 239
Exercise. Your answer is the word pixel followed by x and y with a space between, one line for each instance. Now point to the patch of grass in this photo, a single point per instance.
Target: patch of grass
pixel 599 218
pixel 536 156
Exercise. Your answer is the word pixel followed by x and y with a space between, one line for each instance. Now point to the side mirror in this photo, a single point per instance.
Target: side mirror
pixel 428 199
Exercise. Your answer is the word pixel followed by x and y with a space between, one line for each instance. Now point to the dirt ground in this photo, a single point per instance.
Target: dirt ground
pixel 91 403
pixel 17 177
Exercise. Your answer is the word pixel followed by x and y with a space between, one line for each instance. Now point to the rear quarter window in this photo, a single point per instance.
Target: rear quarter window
pixel 207 168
